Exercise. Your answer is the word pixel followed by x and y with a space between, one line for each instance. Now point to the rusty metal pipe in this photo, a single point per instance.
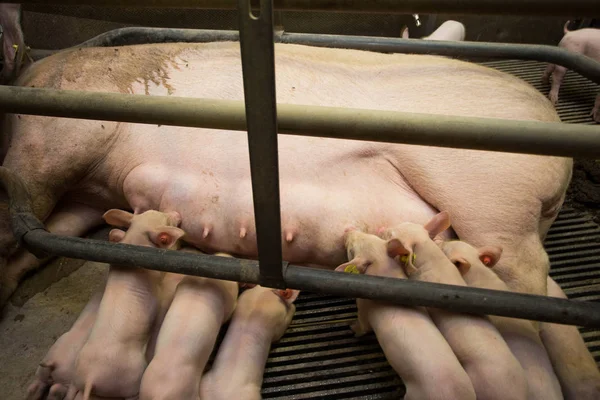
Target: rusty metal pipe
pixel 530 137
pixel 478 7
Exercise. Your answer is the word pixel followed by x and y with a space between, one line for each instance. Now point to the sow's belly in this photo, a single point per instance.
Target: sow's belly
pixel 314 214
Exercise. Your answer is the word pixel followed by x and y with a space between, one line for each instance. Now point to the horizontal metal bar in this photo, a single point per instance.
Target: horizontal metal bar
pixel 397 291
pixel 258 68
pixel 494 7
pixel 31 233
pixel 579 63
pixel 549 138
pixel 584 65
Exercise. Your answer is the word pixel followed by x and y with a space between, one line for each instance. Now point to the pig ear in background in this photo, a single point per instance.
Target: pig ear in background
pixel 490 255
pixel 396 248
pixel 118 218
pixel 164 237
pixel 462 264
pixel 288 295
pixel 174 218
pixel 404 33
pixel 116 235
pixel 438 224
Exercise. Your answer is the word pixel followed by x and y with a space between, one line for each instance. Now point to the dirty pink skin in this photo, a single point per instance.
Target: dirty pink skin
pixel 187 337
pixel 520 335
pixel 574 365
pixel 112 361
pixel 204 174
pixel 584 41
pixel 55 372
pixel 471 338
pixel 69 220
pixel 10 19
pixel 261 317
pixel 409 338
pixel 449 30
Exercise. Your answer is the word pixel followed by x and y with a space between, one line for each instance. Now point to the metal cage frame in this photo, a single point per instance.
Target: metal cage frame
pixel 262 118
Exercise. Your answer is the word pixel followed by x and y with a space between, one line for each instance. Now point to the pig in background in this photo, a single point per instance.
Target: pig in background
pixel 13 42
pixel 449 30
pixel 584 41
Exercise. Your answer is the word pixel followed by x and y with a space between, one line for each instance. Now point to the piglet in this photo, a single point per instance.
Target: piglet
pixel 520 335
pixel 409 338
pixel 476 342
pixel 449 30
pixel 583 41
pixel 55 373
pixel 112 361
pixel 576 369
pixel 261 318
pixel 187 337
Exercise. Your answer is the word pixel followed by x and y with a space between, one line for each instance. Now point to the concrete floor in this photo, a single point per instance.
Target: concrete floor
pixel 43 308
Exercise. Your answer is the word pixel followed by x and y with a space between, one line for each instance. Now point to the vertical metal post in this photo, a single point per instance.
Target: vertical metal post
pixel 258 66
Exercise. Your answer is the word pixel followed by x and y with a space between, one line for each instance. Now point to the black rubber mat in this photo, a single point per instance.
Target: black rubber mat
pixel 319 357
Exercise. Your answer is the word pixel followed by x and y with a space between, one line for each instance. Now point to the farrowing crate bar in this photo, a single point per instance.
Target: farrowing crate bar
pixel 257 49
pixel 494 7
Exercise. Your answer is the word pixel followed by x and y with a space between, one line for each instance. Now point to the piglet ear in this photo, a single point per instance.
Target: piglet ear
pixel 119 218
pixel 462 264
pixel 288 295
pixel 116 235
pixel 174 218
pixel 244 285
pixel 166 236
pixel 396 248
pixel 438 224
pixel 404 34
pixel 490 255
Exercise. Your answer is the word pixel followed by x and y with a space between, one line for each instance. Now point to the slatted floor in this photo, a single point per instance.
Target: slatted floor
pixel 320 358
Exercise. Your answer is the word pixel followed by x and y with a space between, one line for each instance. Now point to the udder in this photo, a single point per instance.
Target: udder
pixel 318 202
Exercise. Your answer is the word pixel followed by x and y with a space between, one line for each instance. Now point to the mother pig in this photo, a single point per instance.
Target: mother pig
pixel 326 184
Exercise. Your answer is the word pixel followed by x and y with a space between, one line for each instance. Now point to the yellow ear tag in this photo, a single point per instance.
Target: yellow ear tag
pixel 351 269
pixel 404 258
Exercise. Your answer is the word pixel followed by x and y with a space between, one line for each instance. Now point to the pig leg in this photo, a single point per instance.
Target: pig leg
pixel 557 77
pixel 71 219
pixel 55 161
pixel 112 361
pixel 12 35
pixel 57 366
pixel 547 73
pixel 187 338
pixel 576 369
pixel 596 110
